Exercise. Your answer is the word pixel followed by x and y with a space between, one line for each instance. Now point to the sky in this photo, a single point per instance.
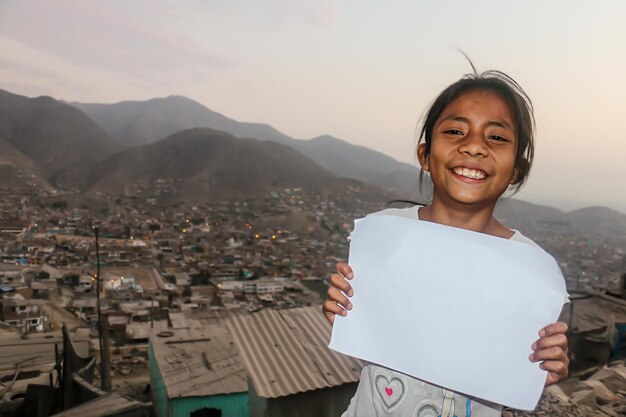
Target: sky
pixel 361 70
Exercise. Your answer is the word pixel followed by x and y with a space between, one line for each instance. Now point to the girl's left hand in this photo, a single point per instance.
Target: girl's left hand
pixel 551 350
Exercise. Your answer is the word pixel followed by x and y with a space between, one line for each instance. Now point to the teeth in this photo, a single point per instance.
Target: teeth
pixel 470 173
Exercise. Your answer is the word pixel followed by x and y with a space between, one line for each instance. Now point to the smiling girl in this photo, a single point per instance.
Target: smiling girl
pixel 476 142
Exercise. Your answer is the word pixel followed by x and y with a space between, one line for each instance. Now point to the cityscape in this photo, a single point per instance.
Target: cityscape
pixel 197 273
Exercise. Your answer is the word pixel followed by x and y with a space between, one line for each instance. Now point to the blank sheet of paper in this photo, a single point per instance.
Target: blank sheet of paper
pixel 456 308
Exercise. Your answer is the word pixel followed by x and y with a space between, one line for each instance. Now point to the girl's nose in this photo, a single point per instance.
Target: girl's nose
pixel 474 145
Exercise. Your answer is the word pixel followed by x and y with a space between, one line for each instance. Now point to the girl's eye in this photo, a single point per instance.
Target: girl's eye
pixel 498 138
pixel 453 132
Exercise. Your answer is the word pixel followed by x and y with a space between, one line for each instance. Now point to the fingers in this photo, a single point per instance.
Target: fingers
pixel 552 343
pixel 339 282
pixel 554 328
pixel 557 371
pixel 336 296
pixel 559 340
pixel 345 270
pixel 337 301
pixel 330 309
pixel 555 367
pixel 547 354
pixel 551 350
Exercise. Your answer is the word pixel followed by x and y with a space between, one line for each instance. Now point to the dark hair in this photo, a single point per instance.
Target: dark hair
pixel 519 102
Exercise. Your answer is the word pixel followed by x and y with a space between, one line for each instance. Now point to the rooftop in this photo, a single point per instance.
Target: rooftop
pixel 286 352
pixel 37 350
pixel 198 362
pixel 594 312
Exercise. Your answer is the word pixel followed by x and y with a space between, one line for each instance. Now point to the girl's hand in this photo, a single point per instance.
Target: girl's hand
pixel 551 350
pixel 337 303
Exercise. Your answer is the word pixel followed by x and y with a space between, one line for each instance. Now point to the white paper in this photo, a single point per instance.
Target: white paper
pixel 456 308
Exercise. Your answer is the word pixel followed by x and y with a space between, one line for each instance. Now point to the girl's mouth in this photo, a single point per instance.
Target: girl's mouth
pixel 474 174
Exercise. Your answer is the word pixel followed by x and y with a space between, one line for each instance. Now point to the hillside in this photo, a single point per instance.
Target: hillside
pixel 534 217
pixel 207 164
pixel 54 139
pixel 45 143
pixel 140 122
pixel 18 172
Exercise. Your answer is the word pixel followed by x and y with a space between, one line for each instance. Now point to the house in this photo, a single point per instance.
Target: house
pixel 182 279
pixel 14 226
pixel 597 328
pixel 139 332
pixel 41 289
pixel 84 308
pixel 109 404
pixel 197 371
pixel 268 286
pixel 85 283
pixel 26 314
pixel 11 276
pixel 31 361
pixel 292 370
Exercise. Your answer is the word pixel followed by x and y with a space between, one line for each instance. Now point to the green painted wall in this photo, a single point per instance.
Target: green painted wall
pixel 326 402
pixel 232 405
pixel 157 387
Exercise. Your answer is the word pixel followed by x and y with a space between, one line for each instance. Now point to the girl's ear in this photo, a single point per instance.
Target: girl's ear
pixel 422 158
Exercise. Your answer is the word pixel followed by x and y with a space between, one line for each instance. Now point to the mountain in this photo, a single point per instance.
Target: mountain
pixel 512 209
pixel 140 122
pixel 358 162
pixel 46 143
pixel 207 164
pixel 591 219
pixel 51 139
pixel 18 172
pixel 143 122
pixel 538 218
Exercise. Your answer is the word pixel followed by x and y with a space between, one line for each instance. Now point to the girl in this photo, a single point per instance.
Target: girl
pixel 476 142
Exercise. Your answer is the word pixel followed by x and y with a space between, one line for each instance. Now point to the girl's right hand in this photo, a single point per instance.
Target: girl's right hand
pixel 336 302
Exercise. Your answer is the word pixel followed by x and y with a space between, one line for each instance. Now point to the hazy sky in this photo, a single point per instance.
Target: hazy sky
pixel 363 71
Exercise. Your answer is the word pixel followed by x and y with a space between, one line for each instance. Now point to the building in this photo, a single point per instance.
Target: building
pixel 597 329
pixel 197 372
pixel 292 370
pixel 26 314
pixel 263 286
pixel 182 279
pixel 85 284
pixel 10 276
pixel 31 362
pixel 108 405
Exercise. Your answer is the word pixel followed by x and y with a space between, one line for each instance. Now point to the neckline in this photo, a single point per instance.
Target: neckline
pixel 516 232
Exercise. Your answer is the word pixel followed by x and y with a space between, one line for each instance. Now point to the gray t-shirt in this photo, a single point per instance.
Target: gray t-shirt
pixel 384 392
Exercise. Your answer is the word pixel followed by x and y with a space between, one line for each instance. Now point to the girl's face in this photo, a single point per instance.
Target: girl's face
pixel 472 155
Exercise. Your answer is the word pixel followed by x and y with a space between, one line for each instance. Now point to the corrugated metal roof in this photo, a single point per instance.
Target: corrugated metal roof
pixel 594 313
pixel 140 330
pixel 106 405
pixel 38 349
pixel 200 318
pixel 287 352
pixel 198 362
pixel 181 321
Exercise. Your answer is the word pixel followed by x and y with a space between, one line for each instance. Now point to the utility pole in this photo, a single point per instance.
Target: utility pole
pixel 104 377
pixel 105 355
